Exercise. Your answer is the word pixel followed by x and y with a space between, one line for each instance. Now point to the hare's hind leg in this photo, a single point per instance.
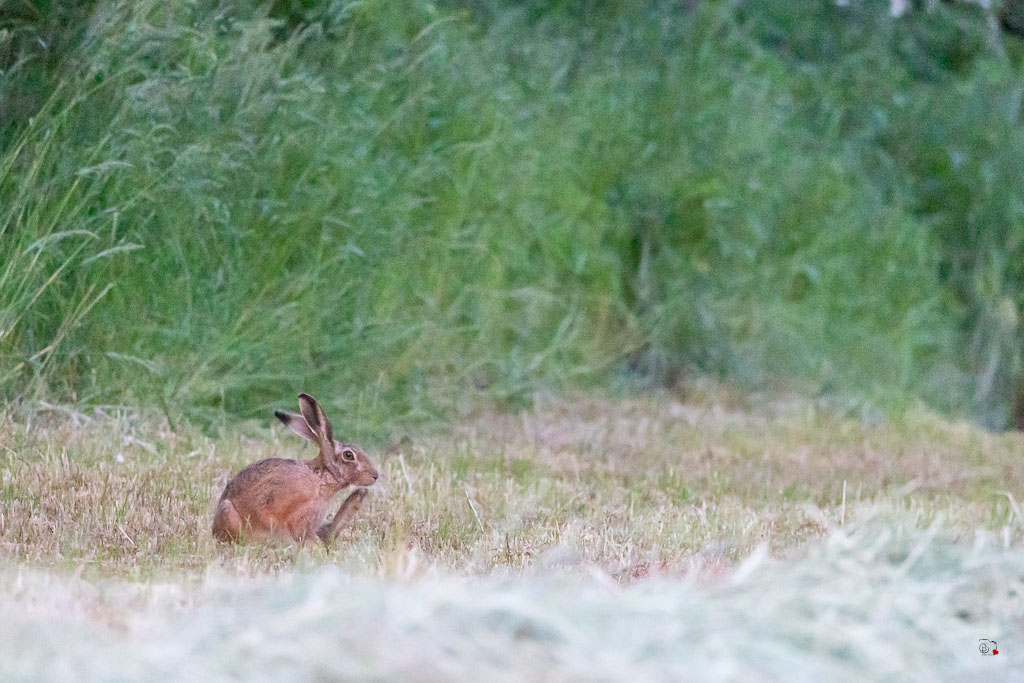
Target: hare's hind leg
pixel 226 522
pixel 348 510
pixel 302 522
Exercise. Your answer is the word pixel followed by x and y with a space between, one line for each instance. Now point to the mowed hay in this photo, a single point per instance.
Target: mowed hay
pixel 880 600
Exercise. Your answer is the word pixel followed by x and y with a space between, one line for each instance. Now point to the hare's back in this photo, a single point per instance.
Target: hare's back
pixel 274 478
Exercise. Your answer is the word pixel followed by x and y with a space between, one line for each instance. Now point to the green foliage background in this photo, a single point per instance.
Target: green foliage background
pixel 414 208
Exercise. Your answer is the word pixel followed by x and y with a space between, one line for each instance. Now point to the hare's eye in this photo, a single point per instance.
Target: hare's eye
pixel 348 454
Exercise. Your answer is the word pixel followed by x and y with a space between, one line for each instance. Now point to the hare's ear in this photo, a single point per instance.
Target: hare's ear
pixel 297 424
pixel 318 422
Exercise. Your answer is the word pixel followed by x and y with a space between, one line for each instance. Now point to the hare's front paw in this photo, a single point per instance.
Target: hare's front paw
pixel 343 517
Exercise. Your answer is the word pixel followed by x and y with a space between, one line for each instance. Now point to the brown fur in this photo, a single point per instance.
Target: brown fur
pixel 288 499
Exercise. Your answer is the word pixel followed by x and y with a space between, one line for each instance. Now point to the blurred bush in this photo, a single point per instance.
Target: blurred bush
pixel 410 207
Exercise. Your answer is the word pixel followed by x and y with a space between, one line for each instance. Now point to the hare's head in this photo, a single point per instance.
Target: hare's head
pixel 346 462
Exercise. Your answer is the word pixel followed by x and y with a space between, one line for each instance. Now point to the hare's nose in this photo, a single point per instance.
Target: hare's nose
pixel 375 475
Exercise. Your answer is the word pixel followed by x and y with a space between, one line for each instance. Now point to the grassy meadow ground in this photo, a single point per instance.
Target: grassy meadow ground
pixel 659 536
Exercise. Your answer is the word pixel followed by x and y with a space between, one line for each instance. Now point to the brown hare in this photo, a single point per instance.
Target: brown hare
pixel 288 499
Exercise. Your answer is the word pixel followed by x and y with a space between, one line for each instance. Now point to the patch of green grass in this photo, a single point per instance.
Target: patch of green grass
pixel 414 210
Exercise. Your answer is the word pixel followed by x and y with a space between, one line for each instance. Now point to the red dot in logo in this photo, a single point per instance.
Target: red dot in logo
pixel 995 652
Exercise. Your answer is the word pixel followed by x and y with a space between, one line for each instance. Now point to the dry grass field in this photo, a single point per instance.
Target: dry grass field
pixel 506 529
pixel 635 487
